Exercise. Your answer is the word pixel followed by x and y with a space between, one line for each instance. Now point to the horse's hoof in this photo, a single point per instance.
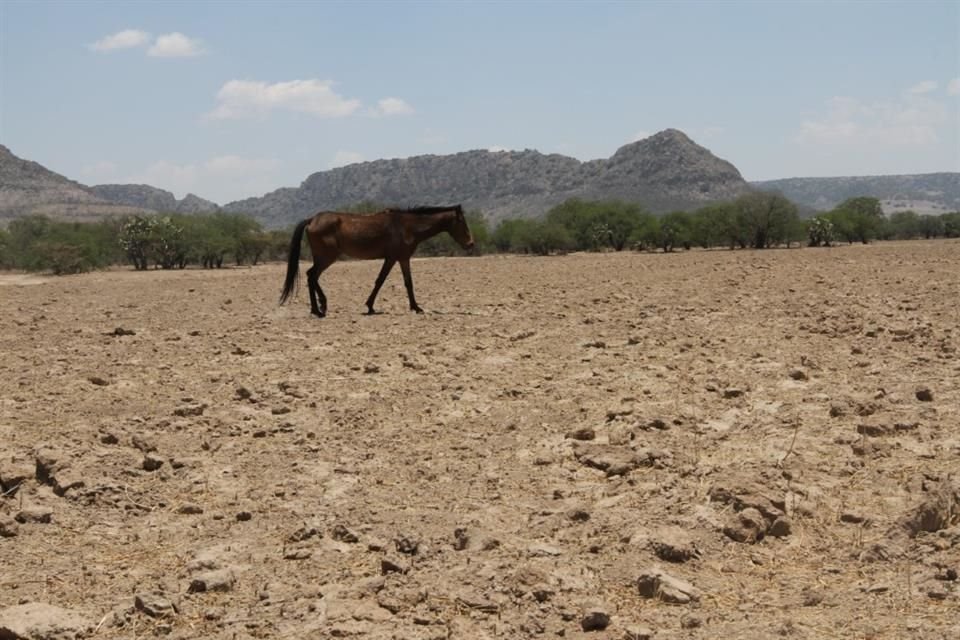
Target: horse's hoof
pixel 416 310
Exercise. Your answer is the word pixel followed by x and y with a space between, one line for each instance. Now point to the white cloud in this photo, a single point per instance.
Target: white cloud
pixel 221 178
pixel 911 120
pixel 393 107
pixel 923 87
pixel 166 175
pixel 175 45
pixel 238 165
pixel 343 158
pixel 245 98
pixel 99 171
pixel 126 39
pixel 953 87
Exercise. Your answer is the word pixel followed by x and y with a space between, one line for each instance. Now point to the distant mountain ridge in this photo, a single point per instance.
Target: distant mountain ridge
pixel 926 193
pixel 664 172
pixel 147 197
pixel 30 188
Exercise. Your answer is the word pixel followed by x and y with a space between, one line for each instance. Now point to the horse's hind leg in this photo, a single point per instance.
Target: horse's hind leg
pixel 318 301
pixel 384 272
pixel 408 283
pixel 313 284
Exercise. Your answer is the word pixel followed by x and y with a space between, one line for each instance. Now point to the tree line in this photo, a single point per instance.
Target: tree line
pixel 756 220
pixel 166 241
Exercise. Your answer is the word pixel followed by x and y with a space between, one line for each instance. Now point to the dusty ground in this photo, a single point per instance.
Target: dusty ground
pixel 757 433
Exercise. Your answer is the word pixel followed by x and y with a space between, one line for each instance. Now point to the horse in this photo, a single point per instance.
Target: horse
pixel 391 234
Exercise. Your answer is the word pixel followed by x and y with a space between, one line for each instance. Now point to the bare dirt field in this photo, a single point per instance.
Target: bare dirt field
pixel 709 444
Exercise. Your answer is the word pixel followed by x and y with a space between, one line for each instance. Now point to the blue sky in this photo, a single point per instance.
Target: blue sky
pixel 230 100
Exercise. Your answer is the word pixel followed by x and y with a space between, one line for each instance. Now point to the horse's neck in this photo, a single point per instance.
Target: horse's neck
pixel 430 225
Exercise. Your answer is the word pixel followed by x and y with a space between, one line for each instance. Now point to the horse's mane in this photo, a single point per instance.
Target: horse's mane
pixel 424 210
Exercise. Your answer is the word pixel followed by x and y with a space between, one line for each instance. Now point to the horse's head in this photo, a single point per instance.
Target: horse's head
pixel 459 229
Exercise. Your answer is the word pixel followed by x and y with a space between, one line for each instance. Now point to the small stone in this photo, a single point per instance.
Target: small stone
pixel 657 584
pixel 583 433
pixel 937 592
pixel 811 597
pixel 244 516
pixel 578 514
pixel 851 517
pixel 13 473
pixel 297 554
pixel 155 605
pixel 746 526
pixel 406 545
pixel 143 444
pixel 691 622
pixel 190 410
pixel 152 462
pixel 190 509
pixel 343 534
pixel 798 374
pixel 924 394
pixel 8 527
pixel 243 393
pixel 108 438
pixel 595 619
pixel 781 527
pixel 393 564
pixel 633 632
pixel 371 368
pixel 304 533
pixel 97 380
pixel 673 545
pixel 732 392
pixel 38 515
pixel 218 580
pixel 542 592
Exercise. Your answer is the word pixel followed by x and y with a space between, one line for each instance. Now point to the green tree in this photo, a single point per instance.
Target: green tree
pixel 646 235
pixel 931 226
pixel 6 250
pixel 859 219
pixel 675 231
pixel 951 224
pixel 904 225
pixel 765 219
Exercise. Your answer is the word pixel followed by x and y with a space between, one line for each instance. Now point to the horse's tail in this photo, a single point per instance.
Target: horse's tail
pixel 293 261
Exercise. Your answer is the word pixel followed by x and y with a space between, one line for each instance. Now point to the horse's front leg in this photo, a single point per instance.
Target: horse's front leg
pixel 384 272
pixel 408 283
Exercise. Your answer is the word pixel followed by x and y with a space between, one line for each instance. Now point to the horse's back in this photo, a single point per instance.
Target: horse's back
pixel 355 234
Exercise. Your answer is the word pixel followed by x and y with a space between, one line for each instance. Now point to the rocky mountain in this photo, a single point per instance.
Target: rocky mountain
pixel 137 195
pixel 27 187
pixel 928 193
pixel 665 171
pixel 147 197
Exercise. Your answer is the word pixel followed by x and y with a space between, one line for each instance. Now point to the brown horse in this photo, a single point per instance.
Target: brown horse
pixel 392 234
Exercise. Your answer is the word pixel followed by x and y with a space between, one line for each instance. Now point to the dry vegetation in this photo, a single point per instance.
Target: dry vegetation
pixel 766 439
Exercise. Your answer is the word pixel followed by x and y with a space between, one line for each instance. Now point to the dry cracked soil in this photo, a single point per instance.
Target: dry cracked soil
pixel 698 445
